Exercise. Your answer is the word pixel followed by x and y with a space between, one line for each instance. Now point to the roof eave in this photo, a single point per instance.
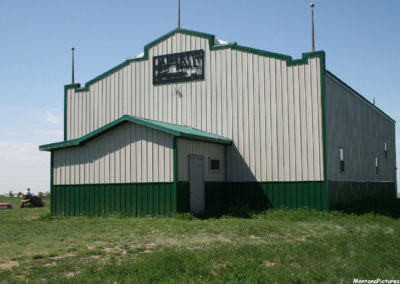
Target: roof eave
pixel 207 139
pixel 132 119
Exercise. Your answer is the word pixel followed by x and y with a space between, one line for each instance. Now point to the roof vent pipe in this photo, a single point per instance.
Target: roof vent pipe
pixel 312 26
pixel 179 14
pixel 73 67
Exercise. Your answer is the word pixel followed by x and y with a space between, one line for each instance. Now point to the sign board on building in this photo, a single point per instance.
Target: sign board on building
pixel 178 67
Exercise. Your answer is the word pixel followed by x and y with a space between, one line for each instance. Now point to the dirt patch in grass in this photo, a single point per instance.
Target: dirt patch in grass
pixel 268 264
pixel 114 250
pixel 8 265
pixel 72 274
pixel 31 218
pixel 63 256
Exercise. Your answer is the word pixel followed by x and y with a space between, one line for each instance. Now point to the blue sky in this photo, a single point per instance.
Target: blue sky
pixel 360 37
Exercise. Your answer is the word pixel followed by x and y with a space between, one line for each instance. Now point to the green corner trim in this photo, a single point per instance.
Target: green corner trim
pixel 212 46
pixel 324 192
pixel 359 95
pixel 51 182
pixel 175 130
pixel 175 169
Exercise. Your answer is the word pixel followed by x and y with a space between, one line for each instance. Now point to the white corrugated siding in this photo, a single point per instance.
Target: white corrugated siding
pixel 362 131
pixel 129 153
pixel 271 111
pixel 207 151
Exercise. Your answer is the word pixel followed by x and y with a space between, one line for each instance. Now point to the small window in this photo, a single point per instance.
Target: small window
pixel 341 159
pixel 386 151
pixel 376 166
pixel 214 165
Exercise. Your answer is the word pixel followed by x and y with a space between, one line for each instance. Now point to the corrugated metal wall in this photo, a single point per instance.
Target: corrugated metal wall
pixel 129 153
pixel 208 151
pixel 361 130
pixel 132 199
pixel 345 192
pixel 271 111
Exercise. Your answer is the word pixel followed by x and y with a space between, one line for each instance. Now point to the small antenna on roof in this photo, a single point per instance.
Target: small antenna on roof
pixel 179 14
pixel 312 25
pixel 373 100
pixel 73 66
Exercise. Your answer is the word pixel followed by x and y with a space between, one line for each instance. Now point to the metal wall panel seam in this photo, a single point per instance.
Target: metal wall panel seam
pixel 291 127
pixel 251 119
pixel 256 115
pixel 304 125
pixel 285 122
pixel 279 116
pixel 310 147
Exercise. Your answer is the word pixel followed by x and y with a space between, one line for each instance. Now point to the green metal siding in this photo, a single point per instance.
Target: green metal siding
pixel 183 196
pixel 311 194
pixel 341 192
pixel 165 199
pixel 261 195
pixel 214 195
pixel 138 199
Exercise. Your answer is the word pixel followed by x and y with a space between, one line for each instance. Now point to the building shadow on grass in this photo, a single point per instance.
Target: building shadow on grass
pixel 236 209
pixel 384 206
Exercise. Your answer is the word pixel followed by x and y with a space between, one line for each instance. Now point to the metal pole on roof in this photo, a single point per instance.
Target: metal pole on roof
pixel 179 14
pixel 312 24
pixel 73 66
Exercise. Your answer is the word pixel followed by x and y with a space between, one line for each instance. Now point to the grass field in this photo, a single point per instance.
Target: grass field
pixel 280 246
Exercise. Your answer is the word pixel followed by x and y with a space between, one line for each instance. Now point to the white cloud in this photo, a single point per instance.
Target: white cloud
pixel 52 118
pixel 22 165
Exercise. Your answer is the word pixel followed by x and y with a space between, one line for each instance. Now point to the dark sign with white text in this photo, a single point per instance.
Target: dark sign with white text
pixel 178 67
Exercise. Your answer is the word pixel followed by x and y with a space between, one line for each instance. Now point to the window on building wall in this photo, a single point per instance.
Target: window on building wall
pixel 386 150
pixel 214 165
pixel 376 166
pixel 341 159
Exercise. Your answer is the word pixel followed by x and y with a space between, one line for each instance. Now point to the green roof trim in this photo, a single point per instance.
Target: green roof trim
pixel 360 96
pixel 211 40
pixel 173 129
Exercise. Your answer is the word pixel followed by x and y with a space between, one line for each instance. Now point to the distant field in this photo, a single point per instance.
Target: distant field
pixel 280 246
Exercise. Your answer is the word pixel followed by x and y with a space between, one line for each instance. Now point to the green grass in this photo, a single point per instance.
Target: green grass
pixel 281 246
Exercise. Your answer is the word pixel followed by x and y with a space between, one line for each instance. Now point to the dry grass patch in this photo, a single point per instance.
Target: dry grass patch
pixel 8 265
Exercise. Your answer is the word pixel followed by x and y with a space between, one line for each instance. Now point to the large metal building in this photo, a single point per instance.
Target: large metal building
pixel 195 122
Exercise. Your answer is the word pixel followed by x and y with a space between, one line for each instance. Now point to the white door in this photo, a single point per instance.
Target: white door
pixel 196 183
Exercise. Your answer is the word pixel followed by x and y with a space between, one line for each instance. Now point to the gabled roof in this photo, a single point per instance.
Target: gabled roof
pixel 173 129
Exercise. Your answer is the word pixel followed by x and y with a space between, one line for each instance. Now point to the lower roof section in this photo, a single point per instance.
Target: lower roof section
pixel 173 129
